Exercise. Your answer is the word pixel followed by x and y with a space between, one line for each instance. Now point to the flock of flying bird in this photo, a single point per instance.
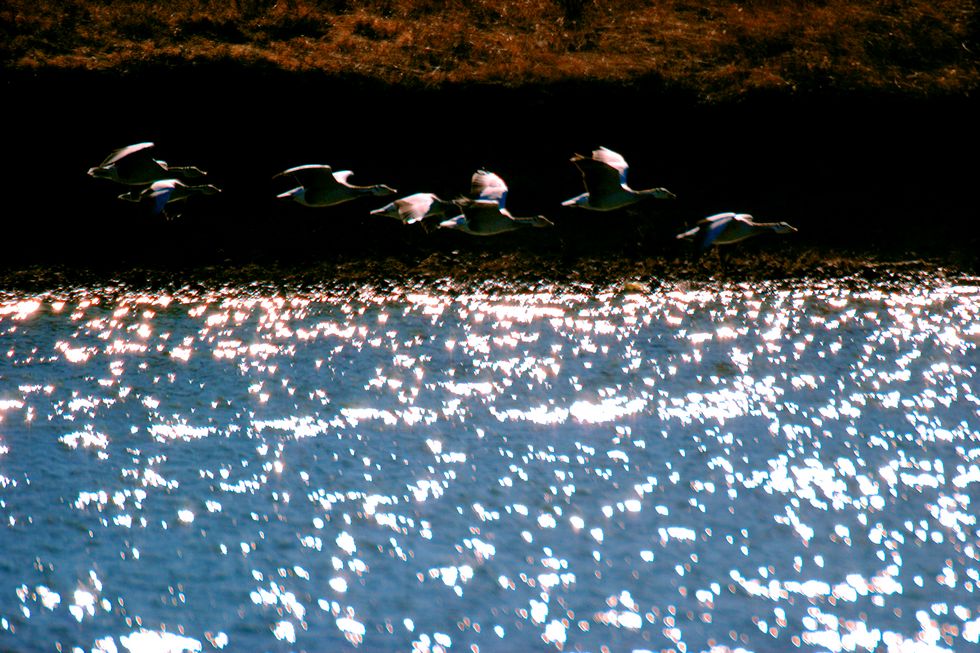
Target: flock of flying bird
pixel 481 213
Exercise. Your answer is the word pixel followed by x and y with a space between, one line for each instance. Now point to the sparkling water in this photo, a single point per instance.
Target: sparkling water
pixel 491 467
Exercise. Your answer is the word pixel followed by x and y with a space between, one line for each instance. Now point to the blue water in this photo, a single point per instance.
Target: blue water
pixel 441 466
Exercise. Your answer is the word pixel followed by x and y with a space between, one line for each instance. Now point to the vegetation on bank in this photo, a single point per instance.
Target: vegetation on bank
pixel 630 274
pixel 713 48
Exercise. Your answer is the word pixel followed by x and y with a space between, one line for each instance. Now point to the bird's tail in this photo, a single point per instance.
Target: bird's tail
pixel 291 193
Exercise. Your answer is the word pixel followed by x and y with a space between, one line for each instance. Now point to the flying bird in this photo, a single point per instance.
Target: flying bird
pixel 167 191
pixel 417 208
pixel 426 207
pixel 133 165
pixel 728 228
pixel 484 213
pixel 319 186
pixel 488 218
pixel 604 174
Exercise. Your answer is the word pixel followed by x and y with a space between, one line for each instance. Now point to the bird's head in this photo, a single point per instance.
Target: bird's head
pixel 382 191
pixel 208 189
pixel 784 228
pixel 663 194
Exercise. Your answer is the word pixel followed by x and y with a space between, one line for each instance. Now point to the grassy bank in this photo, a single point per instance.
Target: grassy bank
pixel 714 49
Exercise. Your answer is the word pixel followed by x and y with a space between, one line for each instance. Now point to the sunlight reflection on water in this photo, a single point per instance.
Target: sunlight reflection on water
pixel 757 466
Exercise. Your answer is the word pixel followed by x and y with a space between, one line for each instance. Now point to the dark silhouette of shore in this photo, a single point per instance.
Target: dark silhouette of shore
pixel 860 174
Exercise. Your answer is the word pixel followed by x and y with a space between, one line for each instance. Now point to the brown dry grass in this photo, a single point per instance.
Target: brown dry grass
pixel 714 48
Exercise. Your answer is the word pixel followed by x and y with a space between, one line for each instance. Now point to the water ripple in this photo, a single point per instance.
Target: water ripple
pixel 739 467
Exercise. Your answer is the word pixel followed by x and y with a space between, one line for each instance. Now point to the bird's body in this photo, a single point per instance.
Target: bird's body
pixel 488 218
pixel 417 208
pixel 604 174
pixel 167 191
pixel 728 228
pixel 320 185
pixel 133 165
pixel 483 211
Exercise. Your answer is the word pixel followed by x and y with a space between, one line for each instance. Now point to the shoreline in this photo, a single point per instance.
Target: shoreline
pixel 520 269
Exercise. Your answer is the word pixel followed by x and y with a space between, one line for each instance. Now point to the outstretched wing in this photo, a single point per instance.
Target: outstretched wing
pixel 613 160
pixel 600 177
pixel 313 175
pixel 420 206
pixel 487 185
pixel 413 208
pixel 132 152
pixel 160 193
pixel 711 228
pixel 342 177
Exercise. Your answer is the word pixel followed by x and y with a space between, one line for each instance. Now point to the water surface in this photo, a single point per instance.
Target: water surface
pixel 487 467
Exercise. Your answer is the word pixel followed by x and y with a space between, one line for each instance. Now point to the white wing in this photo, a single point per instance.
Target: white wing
pixel 117 155
pixel 488 186
pixel 613 160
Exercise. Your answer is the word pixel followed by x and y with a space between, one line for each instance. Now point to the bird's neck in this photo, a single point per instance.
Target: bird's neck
pixel 186 171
